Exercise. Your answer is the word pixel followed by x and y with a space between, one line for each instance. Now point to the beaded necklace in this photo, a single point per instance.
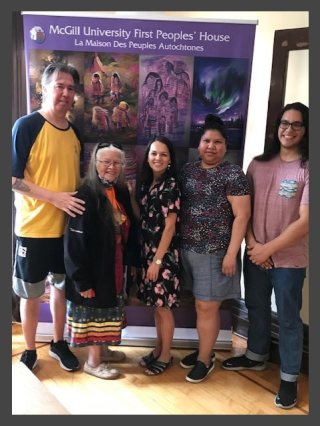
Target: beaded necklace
pixel 118 216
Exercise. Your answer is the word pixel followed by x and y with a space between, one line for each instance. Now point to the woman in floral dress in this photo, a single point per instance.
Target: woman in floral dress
pixel 158 281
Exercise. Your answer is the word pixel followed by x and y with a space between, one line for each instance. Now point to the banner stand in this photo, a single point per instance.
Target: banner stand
pixel 138 335
pixel 171 74
pixel 146 336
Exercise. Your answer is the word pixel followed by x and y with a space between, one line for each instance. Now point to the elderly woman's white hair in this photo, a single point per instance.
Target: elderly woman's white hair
pixel 92 175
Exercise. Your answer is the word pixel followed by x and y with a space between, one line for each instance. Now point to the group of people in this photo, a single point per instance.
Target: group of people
pixel 79 237
pixel 160 110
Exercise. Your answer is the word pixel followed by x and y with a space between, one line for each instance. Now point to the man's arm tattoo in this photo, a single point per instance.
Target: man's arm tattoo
pixel 21 186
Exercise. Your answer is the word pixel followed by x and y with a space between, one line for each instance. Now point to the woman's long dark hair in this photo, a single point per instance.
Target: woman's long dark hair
pixel 271 149
pixel 146 171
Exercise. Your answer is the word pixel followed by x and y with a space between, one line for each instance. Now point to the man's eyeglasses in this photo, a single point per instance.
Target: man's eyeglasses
pixel 107 144
pixel 108 163
pixel 295 125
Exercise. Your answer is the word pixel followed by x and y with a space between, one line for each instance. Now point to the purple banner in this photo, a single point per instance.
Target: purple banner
pixel 145 78
pixel 139 36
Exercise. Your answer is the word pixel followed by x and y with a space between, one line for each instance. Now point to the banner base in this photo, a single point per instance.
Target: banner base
pixel 146 336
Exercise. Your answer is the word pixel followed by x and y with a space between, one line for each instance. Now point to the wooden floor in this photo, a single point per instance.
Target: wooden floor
pixel 222 392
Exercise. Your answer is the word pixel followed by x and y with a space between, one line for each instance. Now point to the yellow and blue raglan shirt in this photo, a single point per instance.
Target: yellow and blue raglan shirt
pixel 50 158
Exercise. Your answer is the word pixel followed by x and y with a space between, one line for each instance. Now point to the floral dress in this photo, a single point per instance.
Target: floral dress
pixel 157 202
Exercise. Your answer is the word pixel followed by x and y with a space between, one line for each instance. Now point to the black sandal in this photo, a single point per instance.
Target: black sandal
pixel 157 367
pixel 148 359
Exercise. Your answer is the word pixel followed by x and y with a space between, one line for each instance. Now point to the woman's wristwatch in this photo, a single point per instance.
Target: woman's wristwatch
pixel 157 261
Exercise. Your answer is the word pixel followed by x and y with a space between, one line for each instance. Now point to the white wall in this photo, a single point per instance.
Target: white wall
pixel 297 84
pixel 268 23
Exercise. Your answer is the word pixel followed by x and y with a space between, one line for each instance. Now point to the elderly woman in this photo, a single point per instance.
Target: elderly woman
pixel 97 245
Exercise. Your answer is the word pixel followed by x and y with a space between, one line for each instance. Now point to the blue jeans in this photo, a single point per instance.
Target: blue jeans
pixel 287 284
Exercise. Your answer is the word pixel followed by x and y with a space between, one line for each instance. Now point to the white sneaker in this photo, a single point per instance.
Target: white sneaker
pixel 114 356
pixel 103 371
